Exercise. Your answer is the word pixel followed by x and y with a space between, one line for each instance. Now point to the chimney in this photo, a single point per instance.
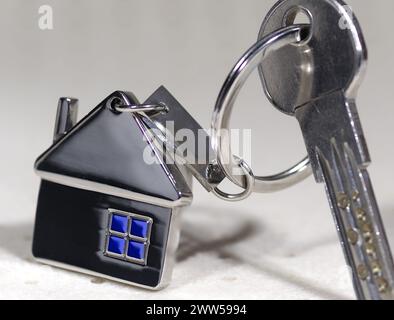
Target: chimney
pixel 66 118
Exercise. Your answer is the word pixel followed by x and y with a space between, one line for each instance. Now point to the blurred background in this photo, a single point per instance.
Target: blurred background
pixel 271 246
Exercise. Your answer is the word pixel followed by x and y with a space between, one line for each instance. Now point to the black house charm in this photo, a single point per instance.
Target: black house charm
pixel 102 209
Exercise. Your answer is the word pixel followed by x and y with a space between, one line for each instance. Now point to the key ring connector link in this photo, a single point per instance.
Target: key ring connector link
pixel 147 108
pixel 249 183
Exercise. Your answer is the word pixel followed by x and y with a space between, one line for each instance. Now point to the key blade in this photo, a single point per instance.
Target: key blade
pixel 339 156
pixel 358 222
pixel 332 117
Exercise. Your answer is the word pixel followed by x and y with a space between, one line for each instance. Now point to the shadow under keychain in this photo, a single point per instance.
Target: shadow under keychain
pixel 103 210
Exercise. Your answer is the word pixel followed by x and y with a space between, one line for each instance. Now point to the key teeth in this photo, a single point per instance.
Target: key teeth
pixel 349 189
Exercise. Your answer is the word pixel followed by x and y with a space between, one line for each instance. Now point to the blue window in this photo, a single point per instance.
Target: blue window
pixel 136 250
pixel 116 245
pixel 128 236
pixel 139 228
pixel 119 223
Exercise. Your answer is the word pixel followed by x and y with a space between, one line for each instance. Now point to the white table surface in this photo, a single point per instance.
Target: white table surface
pixel 271 246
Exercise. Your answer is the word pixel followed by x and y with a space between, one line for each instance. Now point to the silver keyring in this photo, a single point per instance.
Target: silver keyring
pixel 225 102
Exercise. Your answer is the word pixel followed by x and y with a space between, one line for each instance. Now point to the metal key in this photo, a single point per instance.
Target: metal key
pixel 320 77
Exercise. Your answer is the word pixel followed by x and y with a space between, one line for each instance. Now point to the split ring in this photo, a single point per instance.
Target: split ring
pixel 249 184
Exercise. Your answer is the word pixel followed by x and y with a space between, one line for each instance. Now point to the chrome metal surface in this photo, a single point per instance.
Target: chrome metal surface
pixel 84 184
pixel 225 102
pixel 66 117
pixel 331 58
pixel 90 185
pixel 317 81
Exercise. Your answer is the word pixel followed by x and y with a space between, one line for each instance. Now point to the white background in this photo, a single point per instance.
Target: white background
pixel 271 246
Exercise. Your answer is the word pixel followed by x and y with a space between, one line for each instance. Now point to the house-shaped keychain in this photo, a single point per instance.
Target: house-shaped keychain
pixel 102 209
